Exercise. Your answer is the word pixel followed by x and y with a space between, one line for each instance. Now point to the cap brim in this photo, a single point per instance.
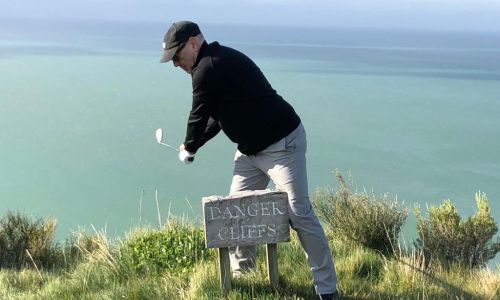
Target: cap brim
pixel 168 54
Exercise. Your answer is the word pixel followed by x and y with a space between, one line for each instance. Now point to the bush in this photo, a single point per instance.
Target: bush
pixel 174 249
pixel 374 222
pixel 19 235
pixel 81 244
pixel 449 239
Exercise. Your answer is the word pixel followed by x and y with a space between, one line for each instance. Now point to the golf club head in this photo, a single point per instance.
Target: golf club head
pixel 159 135
pixel 159 139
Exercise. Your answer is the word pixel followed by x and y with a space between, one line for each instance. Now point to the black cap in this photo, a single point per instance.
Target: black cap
pixel 177 35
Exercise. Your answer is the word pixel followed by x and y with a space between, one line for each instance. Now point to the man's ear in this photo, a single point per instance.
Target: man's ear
pixel 194 42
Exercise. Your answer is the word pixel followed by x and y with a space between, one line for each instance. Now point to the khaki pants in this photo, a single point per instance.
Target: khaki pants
pixel 285 163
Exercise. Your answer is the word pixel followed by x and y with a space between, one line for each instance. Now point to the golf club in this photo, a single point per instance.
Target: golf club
pixel 159 138
pixel 184 155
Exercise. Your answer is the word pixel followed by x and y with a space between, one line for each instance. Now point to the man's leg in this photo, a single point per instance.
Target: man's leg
pixel 246 176
pixel 286 165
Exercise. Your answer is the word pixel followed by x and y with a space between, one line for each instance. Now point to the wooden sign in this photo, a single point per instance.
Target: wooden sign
pixel 246 218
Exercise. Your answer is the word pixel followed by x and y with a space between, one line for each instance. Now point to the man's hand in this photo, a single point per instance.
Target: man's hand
pixel 185 156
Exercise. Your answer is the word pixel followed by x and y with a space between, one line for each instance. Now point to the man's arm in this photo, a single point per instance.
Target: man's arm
pixel 201 126
pixel 211 131
pixel 196 126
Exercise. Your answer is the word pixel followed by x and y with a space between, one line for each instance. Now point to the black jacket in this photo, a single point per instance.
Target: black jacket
pixel 231 93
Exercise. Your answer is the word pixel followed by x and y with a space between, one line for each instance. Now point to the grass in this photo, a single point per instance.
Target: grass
pixel 172 262
pixel 104 271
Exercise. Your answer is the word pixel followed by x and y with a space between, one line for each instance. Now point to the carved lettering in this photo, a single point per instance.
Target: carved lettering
pixel 239 211
pixel 272 229
pixel 262 230
pixel 276 210
pixel 227 214
pixel 254 210
pixel 264 209
pixel 247 220
pixel 222 235
pixel 212 209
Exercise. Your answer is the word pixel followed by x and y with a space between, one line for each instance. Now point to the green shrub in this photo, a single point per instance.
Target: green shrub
pixel 449 239
pixel 174 249
pixel 374 222
pixel 20 235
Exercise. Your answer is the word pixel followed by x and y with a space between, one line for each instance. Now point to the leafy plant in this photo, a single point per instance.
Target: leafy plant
pixel 175 249
pixel 374 222
pixel 449 239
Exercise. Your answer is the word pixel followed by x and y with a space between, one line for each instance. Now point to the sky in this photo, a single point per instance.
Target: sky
pixel 413 14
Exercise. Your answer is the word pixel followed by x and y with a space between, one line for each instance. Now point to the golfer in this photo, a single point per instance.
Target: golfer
pixel 230 93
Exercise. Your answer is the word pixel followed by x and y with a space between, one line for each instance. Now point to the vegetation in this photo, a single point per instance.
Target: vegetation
pixel 24 241
pixel 374 222
pixel 172 262
pixel 176 248
pixel 451 240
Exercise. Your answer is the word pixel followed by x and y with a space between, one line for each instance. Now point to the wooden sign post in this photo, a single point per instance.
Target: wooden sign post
pixel 246 218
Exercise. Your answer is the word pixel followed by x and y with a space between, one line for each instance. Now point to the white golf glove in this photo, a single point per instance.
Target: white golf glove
pixel 186 157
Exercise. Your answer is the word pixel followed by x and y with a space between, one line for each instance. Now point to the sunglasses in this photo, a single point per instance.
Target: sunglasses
pixel 175 58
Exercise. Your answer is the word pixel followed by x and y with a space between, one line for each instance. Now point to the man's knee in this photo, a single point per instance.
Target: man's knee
pixel 304 219
pixel 300 207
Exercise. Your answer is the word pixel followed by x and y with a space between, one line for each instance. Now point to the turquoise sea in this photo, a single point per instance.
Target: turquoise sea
pixel 415 114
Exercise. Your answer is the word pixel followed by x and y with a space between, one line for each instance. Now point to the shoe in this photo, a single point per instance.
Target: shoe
pixel 332 296
pixel 240 273
pixel 237 274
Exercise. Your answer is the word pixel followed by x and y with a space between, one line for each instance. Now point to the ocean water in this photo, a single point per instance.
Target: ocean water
pixel 408 113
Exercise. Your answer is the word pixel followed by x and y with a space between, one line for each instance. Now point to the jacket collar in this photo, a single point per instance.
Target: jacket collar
pixel 202 53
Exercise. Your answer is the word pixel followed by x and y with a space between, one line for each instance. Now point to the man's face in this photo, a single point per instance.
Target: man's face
pixel 185 57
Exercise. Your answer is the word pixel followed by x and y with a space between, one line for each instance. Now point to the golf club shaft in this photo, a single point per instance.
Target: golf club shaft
pixel 173 148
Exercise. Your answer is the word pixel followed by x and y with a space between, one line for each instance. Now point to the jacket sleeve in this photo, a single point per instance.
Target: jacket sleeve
pixel 211 131
pixel 201 127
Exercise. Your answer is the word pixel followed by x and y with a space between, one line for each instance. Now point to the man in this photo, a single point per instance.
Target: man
pixel 231 93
